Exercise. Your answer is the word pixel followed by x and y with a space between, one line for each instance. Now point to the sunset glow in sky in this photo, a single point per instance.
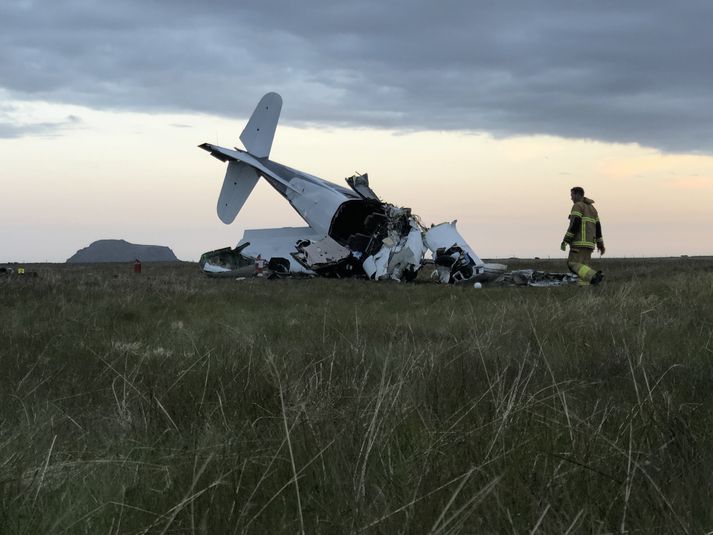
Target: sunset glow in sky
pixel 474 122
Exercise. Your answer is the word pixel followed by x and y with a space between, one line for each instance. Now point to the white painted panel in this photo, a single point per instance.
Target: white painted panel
pixel 240 156
pixel 240 179
pixel 446 235
pixel 260 130
pixel 278 242
pixel 316 203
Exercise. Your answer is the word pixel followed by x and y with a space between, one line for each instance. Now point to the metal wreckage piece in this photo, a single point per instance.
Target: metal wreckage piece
pixel 537 279
pixel 350 232
pixel 391 244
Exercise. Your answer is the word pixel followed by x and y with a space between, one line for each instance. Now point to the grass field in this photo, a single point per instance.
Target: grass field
pixel 167 402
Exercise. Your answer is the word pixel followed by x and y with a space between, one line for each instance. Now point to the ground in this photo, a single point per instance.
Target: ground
pixel 167 402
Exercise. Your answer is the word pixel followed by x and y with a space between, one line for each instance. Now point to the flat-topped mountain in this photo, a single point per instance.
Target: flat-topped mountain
pixel 122 251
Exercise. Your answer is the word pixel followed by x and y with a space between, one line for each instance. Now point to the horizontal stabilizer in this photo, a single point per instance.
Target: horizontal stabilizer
pixel 260 130
pixel 240 179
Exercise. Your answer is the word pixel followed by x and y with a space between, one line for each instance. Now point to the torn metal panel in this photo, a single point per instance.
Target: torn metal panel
pixel 279 243
pixel 360 184
pixel 376 266
pixel 446 235
pixel 326 257
pixel 324 251
pixel 454 260
pixel 227 262
pixel 407 259
pixel 402 249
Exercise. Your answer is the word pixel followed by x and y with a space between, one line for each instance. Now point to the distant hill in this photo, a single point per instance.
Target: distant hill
pixel 122 251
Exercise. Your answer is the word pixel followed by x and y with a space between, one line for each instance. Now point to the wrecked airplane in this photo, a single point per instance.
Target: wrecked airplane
pixel 351 232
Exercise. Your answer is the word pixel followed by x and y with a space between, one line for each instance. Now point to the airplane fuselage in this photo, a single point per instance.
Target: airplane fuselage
pixel 328 208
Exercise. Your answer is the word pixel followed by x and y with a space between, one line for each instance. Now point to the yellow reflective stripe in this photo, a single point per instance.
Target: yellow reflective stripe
pixel 583 244
pixel 583 271
pixel 569 234
pixel 585 220
pixel 575 212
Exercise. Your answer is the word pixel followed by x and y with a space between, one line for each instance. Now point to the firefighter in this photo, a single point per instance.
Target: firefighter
pixel 582 236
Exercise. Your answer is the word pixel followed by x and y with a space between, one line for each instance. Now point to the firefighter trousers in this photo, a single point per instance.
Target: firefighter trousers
pixel 578 263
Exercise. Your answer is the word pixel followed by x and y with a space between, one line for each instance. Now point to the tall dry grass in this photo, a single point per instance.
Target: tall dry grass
pixel 172 403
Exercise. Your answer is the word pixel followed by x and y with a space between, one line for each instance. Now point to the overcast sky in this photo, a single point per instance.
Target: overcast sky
pixel 454 108
pixel 633 72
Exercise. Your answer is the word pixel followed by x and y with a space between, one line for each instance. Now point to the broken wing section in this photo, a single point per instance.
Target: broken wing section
pixel 279 243
pixel 446 235
pixel 240 179
pixel 227 262
pixel 455 260
pixel 274 246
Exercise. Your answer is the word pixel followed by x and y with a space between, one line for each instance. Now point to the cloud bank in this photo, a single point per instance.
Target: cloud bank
pixel 630 72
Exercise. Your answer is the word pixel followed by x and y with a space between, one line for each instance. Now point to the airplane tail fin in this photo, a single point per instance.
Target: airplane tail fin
pixel 259 132
pixel 240 179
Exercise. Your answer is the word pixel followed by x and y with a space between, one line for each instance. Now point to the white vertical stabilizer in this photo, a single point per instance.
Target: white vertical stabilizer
pixel 240 179
pixel 260 130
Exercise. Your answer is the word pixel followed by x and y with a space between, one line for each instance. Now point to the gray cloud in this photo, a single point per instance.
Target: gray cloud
pixel 11 128
pixel 614 71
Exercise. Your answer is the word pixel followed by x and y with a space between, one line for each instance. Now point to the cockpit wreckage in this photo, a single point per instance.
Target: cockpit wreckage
pixel 350 232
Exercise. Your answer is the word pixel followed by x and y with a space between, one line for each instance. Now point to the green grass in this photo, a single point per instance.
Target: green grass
pixel 172 403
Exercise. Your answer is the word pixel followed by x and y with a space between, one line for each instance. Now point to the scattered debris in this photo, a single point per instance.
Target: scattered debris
pixel 530 277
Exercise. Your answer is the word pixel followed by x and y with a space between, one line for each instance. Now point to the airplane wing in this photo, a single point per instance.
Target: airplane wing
pixel 278 242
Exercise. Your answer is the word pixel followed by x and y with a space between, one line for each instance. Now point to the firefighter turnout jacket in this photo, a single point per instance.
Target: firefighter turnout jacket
pixel 584 230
